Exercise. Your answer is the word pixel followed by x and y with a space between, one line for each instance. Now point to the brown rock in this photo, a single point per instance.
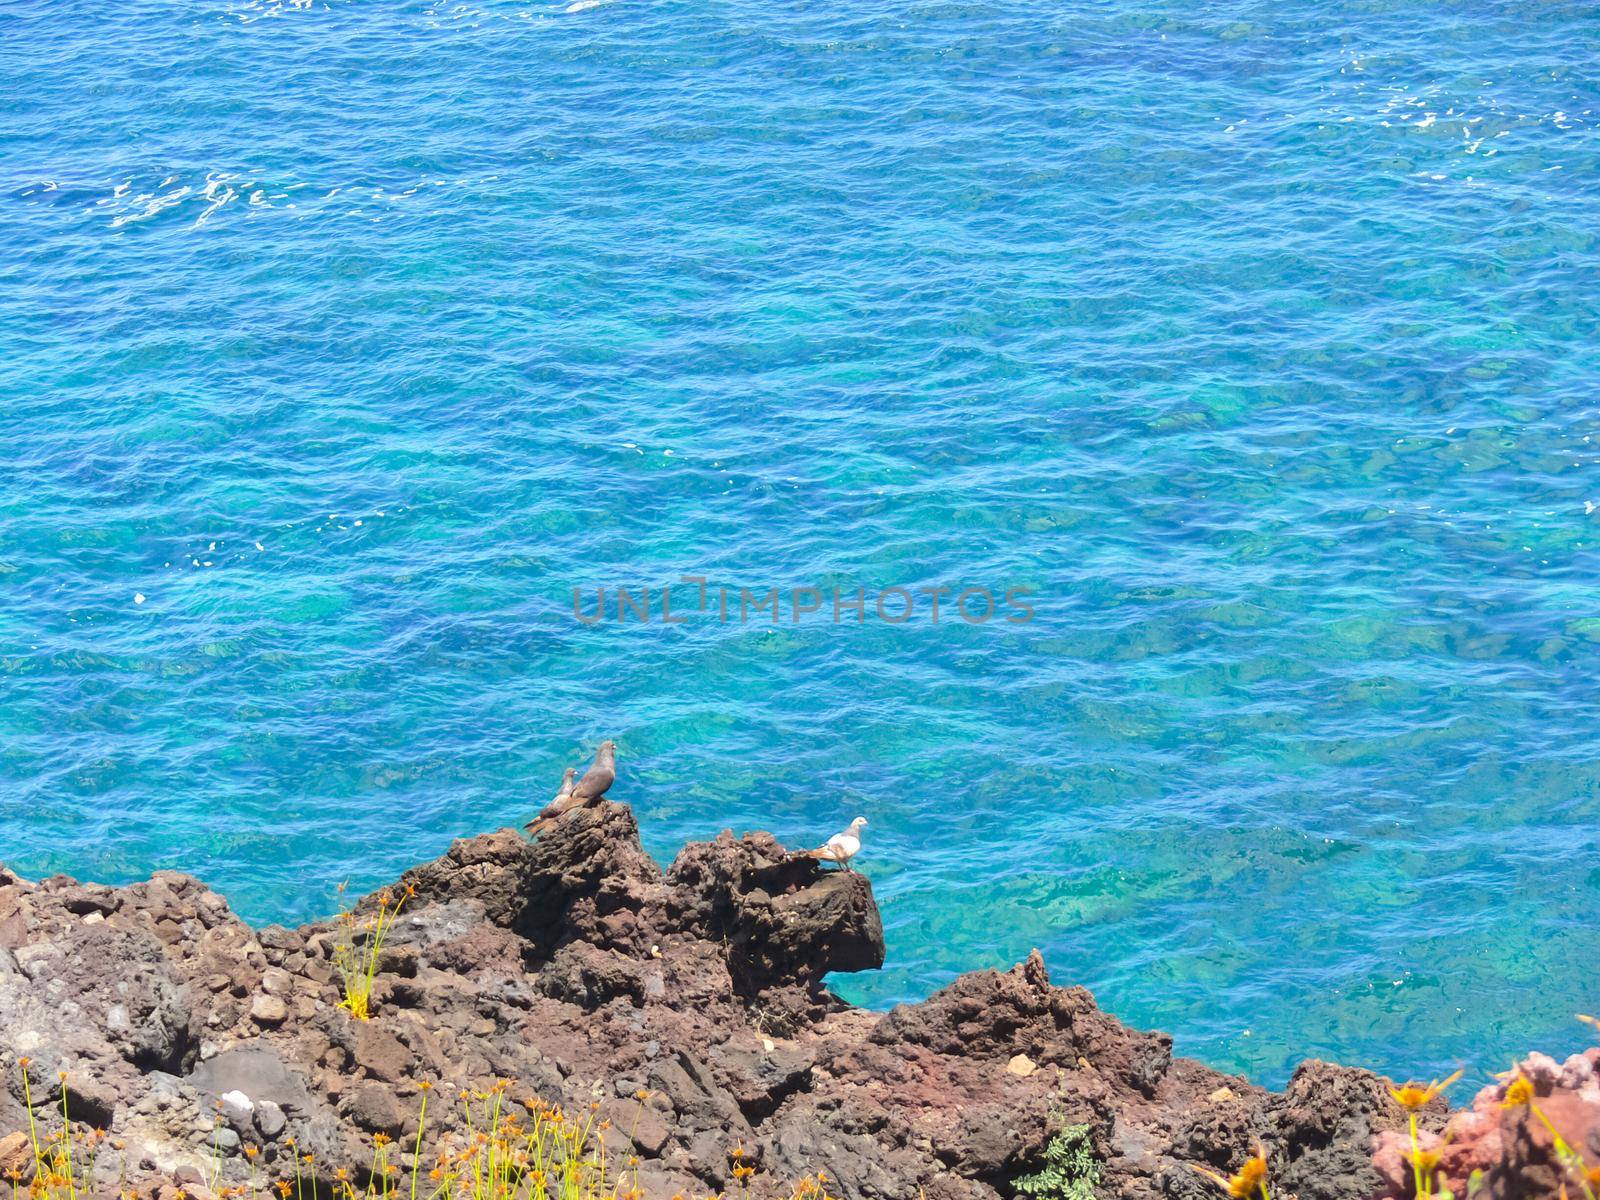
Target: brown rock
pixel 374 1108
pixel 276 939
pixel 268 1011
pixel 398 960
pixel 16 1155
pixel 785 919
pixel 380 1054
pixel 275 981
pixel 1331 1115
pixel 643 1127
pixel 589 976
pixel 573 967
pixel 1022 1065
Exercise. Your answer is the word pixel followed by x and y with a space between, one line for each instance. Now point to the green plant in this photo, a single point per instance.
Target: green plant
pixel 358 946
pixel 1070 1170
pixel 63 1165
pixel 1412 1096
pixel 501 1150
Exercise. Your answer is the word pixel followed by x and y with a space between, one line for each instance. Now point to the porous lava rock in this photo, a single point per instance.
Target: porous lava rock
pixel 690 1004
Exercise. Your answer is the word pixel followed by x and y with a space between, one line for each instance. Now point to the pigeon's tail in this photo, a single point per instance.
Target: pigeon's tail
pixel 540 824
pixel 553 812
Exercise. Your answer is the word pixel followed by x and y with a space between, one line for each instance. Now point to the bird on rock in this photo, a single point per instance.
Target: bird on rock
pixel 558 805
pixel 582 794
pixel 565 789
pixel 841 847
pixel 601 775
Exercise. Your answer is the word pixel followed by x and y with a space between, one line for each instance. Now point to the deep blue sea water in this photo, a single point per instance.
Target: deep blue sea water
pixel 1260 341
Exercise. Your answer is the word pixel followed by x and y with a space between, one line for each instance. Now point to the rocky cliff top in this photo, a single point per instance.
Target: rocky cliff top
pixel 689 1004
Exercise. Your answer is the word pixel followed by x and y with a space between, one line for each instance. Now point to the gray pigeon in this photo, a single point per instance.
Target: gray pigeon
pixel 602 775
pixel 591 788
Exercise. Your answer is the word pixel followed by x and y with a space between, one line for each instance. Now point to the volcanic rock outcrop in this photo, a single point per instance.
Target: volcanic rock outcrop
pixel 689 1004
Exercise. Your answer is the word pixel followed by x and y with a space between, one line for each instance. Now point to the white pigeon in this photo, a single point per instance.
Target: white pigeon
pixel 841 847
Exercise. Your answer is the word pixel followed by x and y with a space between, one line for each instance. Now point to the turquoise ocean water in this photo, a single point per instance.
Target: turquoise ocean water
pixel 1258 340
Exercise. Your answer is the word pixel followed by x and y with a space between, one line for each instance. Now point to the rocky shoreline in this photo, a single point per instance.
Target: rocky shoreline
pixel 686 1007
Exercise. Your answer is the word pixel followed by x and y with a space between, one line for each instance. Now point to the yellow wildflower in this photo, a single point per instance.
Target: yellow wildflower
pixel 1413 1096
pixel 1518 1092
pixel 1425 1161
pixel 1250 1178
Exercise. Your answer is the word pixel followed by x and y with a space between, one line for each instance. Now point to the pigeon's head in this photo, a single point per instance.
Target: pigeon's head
pixel 858 824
